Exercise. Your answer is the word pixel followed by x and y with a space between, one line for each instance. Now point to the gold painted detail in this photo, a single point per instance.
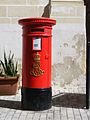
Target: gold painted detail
pixel 36 70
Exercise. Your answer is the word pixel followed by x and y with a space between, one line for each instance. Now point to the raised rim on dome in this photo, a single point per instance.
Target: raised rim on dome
pixel 40 20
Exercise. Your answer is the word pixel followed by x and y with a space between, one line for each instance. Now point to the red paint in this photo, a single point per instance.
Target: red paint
pixel 42 28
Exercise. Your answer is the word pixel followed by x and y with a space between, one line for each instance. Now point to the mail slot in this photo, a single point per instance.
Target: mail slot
pixel 36 63
pixel 37 30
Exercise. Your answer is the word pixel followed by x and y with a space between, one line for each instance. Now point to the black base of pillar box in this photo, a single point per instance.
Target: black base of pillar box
pixel 36 99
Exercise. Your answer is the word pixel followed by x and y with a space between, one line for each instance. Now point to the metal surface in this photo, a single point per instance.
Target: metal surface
pixel 36 70
pixel 37 41
pixel 36 64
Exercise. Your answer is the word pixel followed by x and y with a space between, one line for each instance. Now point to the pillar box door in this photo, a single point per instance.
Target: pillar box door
pixel 36 63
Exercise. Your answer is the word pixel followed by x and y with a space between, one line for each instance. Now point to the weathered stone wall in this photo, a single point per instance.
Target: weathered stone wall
pixel 12 10
pixel 69 43
pixel 68 11
pixel 10 32
pixel 68 67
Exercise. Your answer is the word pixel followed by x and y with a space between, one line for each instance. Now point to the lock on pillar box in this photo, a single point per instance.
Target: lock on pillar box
pixel 36 63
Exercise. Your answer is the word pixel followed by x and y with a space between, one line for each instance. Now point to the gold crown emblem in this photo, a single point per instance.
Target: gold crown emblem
pixel 36 57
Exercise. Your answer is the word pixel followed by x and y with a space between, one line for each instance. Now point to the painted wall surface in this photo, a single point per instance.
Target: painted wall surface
pixel 10 32
pixel 68 65
pixel 69 43
pixel 69 55
pixel 10 39
pixel 12 10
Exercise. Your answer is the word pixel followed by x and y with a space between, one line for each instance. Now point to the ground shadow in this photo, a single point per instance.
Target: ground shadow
pixel 10 104
pixel 70 100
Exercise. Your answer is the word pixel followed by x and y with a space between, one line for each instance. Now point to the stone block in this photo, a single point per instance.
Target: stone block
pixel 66 0
pixel 14 2
pixel 2 11
pixel 38 2
pixel 80 11
pixel 23 11
pixel 63 11
pixel 41 10
pixel 14 20
pixel 68 20
pixel 4 20
pixel 69 3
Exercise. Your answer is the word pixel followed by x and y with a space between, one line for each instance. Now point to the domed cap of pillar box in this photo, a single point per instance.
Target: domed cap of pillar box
pixel 37 21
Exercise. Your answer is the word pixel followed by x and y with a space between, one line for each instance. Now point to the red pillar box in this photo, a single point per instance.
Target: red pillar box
pixel 36 63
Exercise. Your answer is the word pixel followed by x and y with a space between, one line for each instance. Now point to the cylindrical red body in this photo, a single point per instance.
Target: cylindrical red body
pixel 36 61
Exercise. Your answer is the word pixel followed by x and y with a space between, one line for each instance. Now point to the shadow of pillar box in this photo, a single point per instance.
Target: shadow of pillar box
pixel 36 64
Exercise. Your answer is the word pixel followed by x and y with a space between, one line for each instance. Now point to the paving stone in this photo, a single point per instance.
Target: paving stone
pixel 83 114
pixel 77 115
pixel 29 116
pixel 49 116
pixel 24 113
pixel 37 116
pixel 57 108
pixel 70 114
pixel 55 113
pixel 43 116
pixel 88 113
pixel 14 119
pixel 16 115
pixel 63 113
pixel 9 117
pixel 64 118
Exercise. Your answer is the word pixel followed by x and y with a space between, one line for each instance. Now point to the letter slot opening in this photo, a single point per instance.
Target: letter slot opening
pixel 37 30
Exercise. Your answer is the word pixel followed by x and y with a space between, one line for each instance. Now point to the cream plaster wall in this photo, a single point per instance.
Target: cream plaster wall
pixel 12 10
pixel 69 44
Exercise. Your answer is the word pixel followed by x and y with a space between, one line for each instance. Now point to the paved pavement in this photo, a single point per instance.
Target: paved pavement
pixel 68 104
